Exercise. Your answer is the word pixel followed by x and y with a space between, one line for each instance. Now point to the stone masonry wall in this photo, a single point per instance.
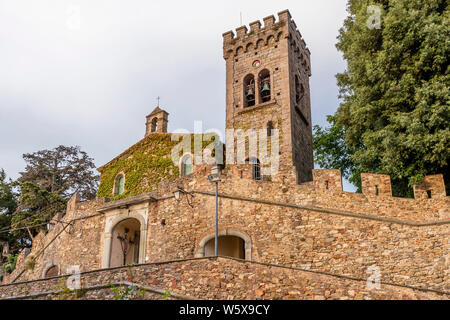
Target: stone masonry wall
pixel 405 251
pixel 226 279
pixel 76 241
pixel 303 226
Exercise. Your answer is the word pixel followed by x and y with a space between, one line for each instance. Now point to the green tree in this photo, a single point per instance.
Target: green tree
pixel 395 111
pixel 8 205
pixel 50 178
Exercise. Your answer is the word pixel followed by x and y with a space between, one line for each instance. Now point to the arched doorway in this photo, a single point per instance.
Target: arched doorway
pixel 125 243
pixel 231 244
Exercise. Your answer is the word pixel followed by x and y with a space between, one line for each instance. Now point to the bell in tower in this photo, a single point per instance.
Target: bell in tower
pixel 249 92
pixel 264 86
pixel 267 87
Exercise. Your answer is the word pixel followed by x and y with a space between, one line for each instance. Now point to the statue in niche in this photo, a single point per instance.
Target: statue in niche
pixel 125 243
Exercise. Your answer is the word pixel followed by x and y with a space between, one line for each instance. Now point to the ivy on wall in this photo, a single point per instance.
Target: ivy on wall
pixel 144 165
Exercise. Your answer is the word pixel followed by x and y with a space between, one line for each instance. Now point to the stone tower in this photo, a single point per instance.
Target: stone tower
pixel 156 121
pixel 267 86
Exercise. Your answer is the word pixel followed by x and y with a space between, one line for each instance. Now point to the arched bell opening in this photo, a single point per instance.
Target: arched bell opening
pixel 249 91
pixel 264 86
pixel 154 126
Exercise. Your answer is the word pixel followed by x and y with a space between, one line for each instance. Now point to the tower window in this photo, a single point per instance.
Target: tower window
pixel 256 168
pixel 269 128
pixel 299 90
pixel 186 165
pixel 119 185
pixel 249 91
pixel 264 85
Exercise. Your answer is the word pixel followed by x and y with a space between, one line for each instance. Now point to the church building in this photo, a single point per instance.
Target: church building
pixel 288 233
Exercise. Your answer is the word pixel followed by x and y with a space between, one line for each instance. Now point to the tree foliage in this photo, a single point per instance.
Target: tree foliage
pixel 50 178
pixel 8 205
pixel 395 111
pixel 63 170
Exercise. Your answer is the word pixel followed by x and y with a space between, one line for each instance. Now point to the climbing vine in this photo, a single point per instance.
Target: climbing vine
pixel 144 165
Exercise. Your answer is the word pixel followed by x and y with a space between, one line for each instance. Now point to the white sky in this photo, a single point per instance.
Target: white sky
pixel 92 84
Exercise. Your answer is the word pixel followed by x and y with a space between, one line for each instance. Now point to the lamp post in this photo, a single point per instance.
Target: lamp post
pixel 215 177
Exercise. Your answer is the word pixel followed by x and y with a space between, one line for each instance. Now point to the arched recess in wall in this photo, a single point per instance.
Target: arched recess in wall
pixel 51 270
pixel 299 89
pixel 232 243
pixel 279 36
pixel 259 44
pixel 125 243
pixel 124 239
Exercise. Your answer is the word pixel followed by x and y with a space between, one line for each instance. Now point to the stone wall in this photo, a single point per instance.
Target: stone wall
pixel 301 226
pixel 225 279
pixel 74 241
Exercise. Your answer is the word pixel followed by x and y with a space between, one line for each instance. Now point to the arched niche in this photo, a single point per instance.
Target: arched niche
pixel 125 242
pixel 232 243
pixel 115 225
pixel 51 270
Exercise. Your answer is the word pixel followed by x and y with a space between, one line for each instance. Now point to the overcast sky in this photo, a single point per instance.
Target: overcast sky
pixel 91 81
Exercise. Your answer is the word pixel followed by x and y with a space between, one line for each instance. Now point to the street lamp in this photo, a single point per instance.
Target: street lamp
pixel 215 177
pixel 178 193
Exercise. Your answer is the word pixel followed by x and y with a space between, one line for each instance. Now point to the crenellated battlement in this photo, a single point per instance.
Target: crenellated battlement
pixel 432 186
pixel 260 35
pixel 378 185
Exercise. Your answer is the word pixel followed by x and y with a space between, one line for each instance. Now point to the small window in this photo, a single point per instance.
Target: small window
pixel 186 165
pixel 119 187
pixel 269 128
pixel 299 90
pixel 429 194
pixel 256 168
